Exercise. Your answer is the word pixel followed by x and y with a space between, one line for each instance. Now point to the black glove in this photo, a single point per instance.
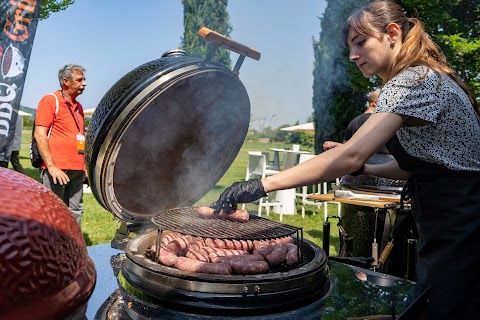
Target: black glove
pixel 239 192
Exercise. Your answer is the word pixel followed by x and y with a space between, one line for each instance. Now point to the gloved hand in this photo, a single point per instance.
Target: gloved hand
pixel 239 192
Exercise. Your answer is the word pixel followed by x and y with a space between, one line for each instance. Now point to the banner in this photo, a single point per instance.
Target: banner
pixel 18 23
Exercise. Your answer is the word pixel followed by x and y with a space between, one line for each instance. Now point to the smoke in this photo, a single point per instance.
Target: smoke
pixel 331 59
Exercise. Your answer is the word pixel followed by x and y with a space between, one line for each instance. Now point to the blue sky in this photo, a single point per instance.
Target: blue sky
pixel 111 37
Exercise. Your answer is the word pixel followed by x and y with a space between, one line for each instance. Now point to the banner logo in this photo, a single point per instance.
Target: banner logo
pixel 13 62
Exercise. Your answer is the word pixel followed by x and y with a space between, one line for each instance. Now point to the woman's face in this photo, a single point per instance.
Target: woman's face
pixel 373 56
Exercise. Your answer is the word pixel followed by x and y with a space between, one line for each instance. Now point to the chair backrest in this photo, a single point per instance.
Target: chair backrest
pixel 304 157
pixel 267 156
pixel 256 166
pixel 316 188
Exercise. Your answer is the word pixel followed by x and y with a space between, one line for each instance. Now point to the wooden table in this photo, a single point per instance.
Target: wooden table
pixel 380 204
pixel 390 206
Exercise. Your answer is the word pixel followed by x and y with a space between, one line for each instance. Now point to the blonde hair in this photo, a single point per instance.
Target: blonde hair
pixel 417 47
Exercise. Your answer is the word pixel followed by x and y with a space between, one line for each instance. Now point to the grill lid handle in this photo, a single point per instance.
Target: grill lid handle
pixel 226 43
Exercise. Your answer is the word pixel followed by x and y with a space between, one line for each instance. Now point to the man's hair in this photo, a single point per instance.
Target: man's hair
pixel 67 71
pixel 373 96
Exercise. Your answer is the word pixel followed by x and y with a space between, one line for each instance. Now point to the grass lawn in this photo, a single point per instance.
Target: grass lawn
pixel 99 225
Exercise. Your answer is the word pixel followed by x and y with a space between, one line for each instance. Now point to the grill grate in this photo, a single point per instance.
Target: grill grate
pixel 186 221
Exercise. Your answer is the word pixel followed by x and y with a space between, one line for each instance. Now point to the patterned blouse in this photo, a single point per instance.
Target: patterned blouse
pixel 452 137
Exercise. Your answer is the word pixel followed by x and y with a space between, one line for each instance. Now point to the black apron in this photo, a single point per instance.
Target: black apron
pixel 446 210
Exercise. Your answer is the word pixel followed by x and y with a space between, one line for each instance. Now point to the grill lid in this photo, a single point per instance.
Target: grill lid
pixel 186 220
pixel 166 132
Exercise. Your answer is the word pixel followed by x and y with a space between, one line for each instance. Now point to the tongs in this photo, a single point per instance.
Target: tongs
pixel 363 196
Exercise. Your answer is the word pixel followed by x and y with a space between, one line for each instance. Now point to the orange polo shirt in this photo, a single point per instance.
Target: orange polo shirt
pixel 63 137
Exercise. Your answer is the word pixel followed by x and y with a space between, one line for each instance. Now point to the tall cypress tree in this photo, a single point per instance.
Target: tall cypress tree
pixel 205 13
pixel 338 88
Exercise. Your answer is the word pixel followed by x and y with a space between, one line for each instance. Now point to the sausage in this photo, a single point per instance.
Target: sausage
pixel 260 243
pixel 237 245
pixel 179 246
pixel 250 246
pixel 219 243
pixel 229 244
pixel 205 250
pixel 249 257
pixel 277 256
pixel 168 237
pixel 245 267
pixel 287 239
pixel 265 250
pixel 187 264
pixel 229 252
pixel 197 245
pixel 209 243
pixel 196 256
pixel 166 257
pixel 292 254
pixel 225 244
pixel 243 244
pixel 206 212
pixel 237 215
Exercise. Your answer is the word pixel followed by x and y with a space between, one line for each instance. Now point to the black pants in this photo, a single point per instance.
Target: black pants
pixel 15 160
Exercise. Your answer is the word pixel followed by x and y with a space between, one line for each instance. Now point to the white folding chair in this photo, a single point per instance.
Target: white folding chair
pixel 257 168
pixel 270 163
pixel 321 188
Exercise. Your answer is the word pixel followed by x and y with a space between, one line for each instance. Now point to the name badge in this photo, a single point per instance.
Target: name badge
pixel 80 143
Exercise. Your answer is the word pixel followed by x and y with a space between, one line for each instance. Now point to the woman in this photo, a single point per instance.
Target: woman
pixel 430 122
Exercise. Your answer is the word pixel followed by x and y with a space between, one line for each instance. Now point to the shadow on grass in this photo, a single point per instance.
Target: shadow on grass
pixel 33 173
pixel 217 187
pixel 88 241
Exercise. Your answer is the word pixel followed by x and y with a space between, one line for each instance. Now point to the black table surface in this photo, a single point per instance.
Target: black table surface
pixel 352 295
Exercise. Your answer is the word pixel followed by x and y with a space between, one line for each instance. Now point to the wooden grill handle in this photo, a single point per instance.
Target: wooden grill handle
pixel 226 43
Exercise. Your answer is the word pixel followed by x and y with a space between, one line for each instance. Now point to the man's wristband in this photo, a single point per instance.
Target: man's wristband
pixel 359 171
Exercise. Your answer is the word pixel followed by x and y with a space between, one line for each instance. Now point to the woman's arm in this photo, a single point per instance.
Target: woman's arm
pixel 389 170
pixel 341 160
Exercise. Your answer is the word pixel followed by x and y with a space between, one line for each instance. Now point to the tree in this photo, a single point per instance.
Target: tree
pixel 51 6
pixel 206 13
pixel 338 91
pixel 455 26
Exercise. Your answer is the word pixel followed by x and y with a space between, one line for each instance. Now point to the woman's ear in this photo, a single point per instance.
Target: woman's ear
pixel 393 32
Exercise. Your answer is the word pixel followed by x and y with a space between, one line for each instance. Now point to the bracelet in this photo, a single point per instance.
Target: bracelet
pixel 359 171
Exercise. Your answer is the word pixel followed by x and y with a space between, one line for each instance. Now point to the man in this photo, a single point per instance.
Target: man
pixel 60 135
pixel 357 122
pixel 16 146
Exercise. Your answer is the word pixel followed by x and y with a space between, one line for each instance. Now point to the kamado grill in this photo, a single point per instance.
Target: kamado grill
pixel 283 288
pixel 159 140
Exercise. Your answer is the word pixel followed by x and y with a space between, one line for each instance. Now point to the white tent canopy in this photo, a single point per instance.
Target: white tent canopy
pixel 88 112
pixel 23 113
pixel 307 128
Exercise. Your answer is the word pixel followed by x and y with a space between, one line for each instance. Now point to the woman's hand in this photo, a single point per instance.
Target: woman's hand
pixel 239 192
pixel 327 145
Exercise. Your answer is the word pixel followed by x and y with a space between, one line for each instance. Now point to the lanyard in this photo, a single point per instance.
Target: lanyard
pixel 70 106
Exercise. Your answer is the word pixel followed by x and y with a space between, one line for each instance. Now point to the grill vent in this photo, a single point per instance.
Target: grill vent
pixel 186 221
